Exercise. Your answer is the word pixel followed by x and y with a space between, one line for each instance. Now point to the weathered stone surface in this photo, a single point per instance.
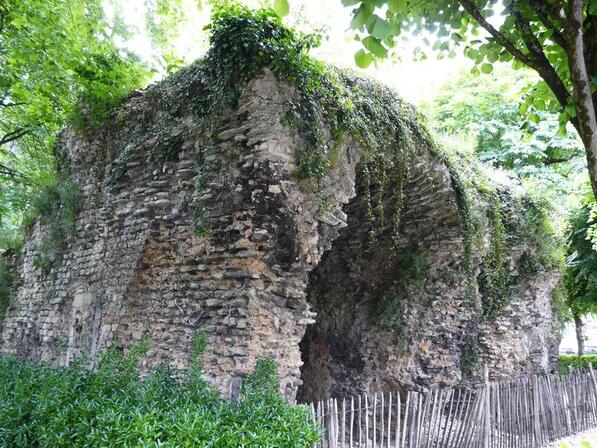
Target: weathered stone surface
pixel 285 269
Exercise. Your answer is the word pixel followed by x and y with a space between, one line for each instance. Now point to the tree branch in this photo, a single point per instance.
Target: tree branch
pixel 555 160
pixel 497 35
pixel 5 170
pixel 540 61
pixel 14 135
pixel 543 11
pixel 540 64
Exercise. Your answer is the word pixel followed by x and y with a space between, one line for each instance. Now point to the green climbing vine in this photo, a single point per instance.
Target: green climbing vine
pixel 493 281
pixel 469 358
pixel 243 43
pixel 6 284
pixel 520 223
pixel 57 207
pixel 412 269
pixel 464 212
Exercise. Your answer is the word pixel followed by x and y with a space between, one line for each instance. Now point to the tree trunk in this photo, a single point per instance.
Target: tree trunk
pixel 580 338
pixel 581 88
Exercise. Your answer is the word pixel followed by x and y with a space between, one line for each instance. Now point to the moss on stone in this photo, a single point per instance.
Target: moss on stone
pixel 469 358
pixel 7 281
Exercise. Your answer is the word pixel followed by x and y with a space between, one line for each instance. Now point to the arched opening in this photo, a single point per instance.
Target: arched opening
pixel 384 303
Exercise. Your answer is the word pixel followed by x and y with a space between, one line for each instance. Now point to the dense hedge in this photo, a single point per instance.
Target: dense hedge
pixel 112 407
pixel 576 362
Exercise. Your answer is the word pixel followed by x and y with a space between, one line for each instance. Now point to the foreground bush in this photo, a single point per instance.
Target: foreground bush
pixel 113 407
pixel 576 362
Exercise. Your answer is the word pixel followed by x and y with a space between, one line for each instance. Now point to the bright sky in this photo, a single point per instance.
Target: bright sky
pixel 414 81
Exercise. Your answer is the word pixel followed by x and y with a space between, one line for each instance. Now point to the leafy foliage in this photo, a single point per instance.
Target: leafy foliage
pixel 59 64
pixel 581 273
pixel 113 406
pixel 493 281
pixel 487 109
pixel 576 362
pixel 537 34
pixel 56 205
pixel 161 20
pixel 469 358
pixel 451 24
pixel 6 284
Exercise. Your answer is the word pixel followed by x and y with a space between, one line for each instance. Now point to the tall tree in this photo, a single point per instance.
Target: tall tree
pixel 556 38
pixel 59 62
pixel 581 272
pixel 53 54
pixel 481 114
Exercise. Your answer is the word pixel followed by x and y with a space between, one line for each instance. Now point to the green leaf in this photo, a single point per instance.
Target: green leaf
pixel 571 110
pixel 379 28
pixel 539 103
pixel 363 59
pixel 361 16
pixel 350 2
pixel 592 7
pixel 534 118
pixel 457 37
pixel 281 7
pixel 396 6
pixel 517 65
pixel 471 53
pixel 486 68
pixel 374 46
pixel 493 56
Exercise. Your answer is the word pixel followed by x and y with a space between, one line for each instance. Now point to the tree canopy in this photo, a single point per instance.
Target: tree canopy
pixel 484 111
pixel 557 39
pixel 581 276
pixel 60 63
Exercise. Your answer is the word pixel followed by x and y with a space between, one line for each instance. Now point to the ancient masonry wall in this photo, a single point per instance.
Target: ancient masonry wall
pixel 284 269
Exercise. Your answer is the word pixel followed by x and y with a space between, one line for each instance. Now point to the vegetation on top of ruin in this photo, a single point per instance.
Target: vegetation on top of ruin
pixel 329 104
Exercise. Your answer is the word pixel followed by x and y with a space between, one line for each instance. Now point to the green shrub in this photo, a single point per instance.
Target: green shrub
pixel 113 407
pixel 576 362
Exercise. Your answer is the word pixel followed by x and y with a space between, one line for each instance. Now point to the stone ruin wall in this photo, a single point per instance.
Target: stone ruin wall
pixel 283 270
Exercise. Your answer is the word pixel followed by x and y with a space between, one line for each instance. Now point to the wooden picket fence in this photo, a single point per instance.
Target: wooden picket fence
pixel 525 413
